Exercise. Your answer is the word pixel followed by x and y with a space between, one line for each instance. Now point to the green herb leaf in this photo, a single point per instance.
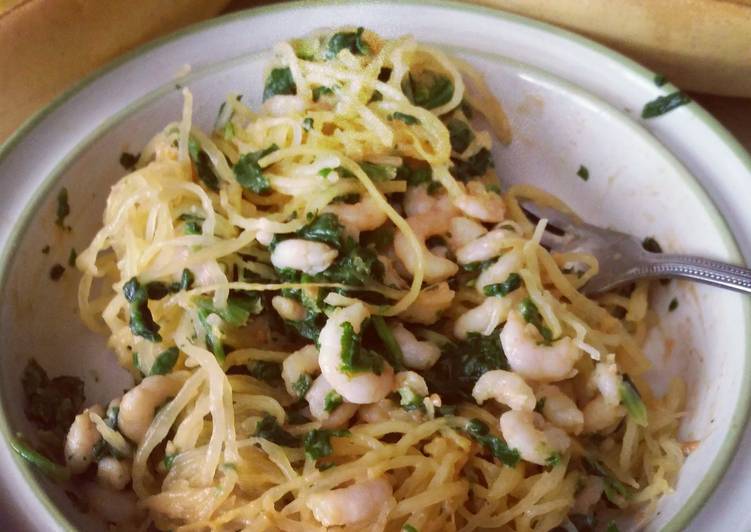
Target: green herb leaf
pixel 165 361
pixel 321 91
pixel 204 166
pixel 332 401
pixel 265 371
pixel 415 175
pixel 42 463
pixel 428 89
pixel 664 104
pixel 269 429
pixel 529 312
pixel 63 208
pixel 583 172
pixel 479 432
pixel 280 81
pixel 631 399
pixel 477 165
pixel 351 40
pixel 141 321
pixel 317 442
pixel 249 174
pixel 660 80
pixel 51 404
pixel 356 359
pixel 396 358
pixel 307 124
pixel 460 134
pixel 553 460
pixel 410 400
pixel 512 282
pixel 407 119
pixel 302 385
pixel 323 228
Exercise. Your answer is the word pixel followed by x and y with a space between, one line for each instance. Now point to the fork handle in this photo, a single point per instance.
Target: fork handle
pixel 699 269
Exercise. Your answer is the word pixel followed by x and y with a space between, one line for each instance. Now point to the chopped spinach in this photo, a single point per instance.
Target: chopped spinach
pixel 512 282
pixel 158 290
pixel 193 224
pixel 479 432
pixel 406 527
pixel 264 370
pixel 583 172
pixel 351 40
pixel 403 117
pixel 317 442
pixel 664 104
pixel 553 460
pixel 332 401
pixel 479 265
pixel 203 165
pixel 169 461
pixel 72 256
pixel 269 429
pixel 614 488
pixel 378 172
pixel 673 305
pixel 141 321
pixel 165 361
pixel 409 400
pixel 355 358
pixel 42 463
pixel 396 357
pixel 321 90
pixel 529 312
pixel 415 175
pixel 612 527
pixel 240 306
pixel 302 385
pixel 280 81
pixel 249 174
pixel 324 228
pixel 460 134
pixel 51 404
pixel 476 165
pixel 57 271
pixel 63 208
pixel 129 160
pixel 307 124
pixel 428 89
pixel 660 80
pixel 631 399
pixel 380 238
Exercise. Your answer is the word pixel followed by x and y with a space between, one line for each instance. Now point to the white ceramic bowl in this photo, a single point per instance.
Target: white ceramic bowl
pixel 570 102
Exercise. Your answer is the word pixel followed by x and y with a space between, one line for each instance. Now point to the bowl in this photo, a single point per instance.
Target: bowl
pixel 570 103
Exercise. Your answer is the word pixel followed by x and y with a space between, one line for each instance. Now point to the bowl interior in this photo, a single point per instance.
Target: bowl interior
pixel 635 185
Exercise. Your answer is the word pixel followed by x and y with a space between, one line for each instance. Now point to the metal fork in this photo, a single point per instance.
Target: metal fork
pixel 623 258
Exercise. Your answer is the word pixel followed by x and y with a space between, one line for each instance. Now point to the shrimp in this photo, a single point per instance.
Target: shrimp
pixel 535 440
pixel 365 215
pixel 288 308
pixel 301 363
pixel 427 308
pixel 284 105
pixel 304 255
pixel 113 473
pixel 360 388
pixel 485 317
pixel 485 247
pixel 462 231
pixel 560 409
pixel 607 380
pixel 505 387
pixel 417 200
pixel 426 225
pixel 481 203
pixel 599 415
pixel 139 404
pixel 81 439
pixel 499 271
pixel 542 363
pixel 316 398
pixel 417 354
pixel 359 502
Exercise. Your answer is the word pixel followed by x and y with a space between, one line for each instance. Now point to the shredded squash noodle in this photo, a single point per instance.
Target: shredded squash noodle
pixel 335 318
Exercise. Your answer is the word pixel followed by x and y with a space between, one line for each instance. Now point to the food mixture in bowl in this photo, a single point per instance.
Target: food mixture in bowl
pixel 334 317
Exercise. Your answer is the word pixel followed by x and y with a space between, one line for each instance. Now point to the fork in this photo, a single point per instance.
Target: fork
pixel 623 258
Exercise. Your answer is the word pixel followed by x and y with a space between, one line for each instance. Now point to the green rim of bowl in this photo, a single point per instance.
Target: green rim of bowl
pixel 738 419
